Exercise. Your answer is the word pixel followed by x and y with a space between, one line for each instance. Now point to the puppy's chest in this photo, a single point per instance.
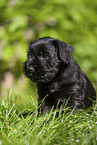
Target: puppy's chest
pixel 55 90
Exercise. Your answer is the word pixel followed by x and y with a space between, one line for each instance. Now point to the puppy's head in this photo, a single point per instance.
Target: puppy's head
pixel 45 56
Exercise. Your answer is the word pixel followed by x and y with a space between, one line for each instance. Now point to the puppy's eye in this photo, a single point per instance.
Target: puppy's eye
pixel 43 54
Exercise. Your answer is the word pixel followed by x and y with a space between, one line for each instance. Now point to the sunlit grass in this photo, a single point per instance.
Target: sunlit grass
pixel 56 127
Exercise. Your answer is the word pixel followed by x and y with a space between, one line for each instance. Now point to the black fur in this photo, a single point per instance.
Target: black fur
pixel 58 75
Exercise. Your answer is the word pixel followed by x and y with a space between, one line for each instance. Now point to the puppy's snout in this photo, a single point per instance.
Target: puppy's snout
pixel 31 67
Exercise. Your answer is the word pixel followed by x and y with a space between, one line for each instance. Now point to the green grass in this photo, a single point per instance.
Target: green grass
pixel 72 128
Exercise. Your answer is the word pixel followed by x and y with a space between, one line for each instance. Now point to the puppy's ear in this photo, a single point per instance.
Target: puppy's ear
pixel 64 51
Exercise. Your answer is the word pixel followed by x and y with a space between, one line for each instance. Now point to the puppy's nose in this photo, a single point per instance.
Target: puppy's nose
pixel 30 67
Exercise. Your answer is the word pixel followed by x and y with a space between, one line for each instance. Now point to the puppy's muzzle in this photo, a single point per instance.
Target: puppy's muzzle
pixel 30 67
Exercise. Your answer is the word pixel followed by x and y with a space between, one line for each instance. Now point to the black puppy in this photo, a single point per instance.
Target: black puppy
pixel 58 76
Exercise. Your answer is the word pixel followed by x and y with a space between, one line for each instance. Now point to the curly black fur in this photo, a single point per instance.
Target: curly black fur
pixel 58 75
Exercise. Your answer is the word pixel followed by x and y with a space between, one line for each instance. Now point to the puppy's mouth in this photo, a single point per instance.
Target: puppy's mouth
pixel 42 79
pixel 38 75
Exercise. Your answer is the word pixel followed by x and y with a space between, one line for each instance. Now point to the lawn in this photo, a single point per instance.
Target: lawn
pixel 18 127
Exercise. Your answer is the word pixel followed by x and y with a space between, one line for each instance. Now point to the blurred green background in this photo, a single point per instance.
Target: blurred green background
pixel 22 21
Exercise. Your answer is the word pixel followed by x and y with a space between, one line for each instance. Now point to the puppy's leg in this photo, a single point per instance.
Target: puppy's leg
pixel 76 99
pixel 45 107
